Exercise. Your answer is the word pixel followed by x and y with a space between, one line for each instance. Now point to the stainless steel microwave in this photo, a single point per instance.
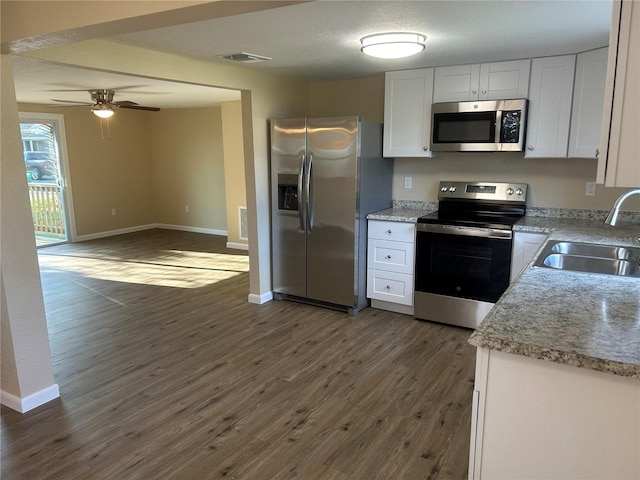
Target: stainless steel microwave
pixel 484 126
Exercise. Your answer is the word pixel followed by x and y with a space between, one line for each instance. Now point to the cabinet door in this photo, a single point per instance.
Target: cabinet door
pixel 390 286
pixel 525 246
pixel 407 113
pixel 390 256
pixel 456 84
pixel 618 162
pixel 389 230
pixel 504 80
pixel 550 106
pixel 588 100
pixel 488 81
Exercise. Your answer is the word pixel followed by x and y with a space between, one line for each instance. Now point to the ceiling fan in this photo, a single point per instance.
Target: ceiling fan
pixel 103 105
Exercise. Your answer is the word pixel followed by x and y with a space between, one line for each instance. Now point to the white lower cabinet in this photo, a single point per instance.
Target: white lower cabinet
pixel 390 260
pixel 390 286
pixel 537 419
pixel 525 246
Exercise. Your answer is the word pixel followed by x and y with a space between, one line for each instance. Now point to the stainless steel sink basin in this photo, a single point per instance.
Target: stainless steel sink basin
pixel 606 266
pixel 591 250
pixel 590 258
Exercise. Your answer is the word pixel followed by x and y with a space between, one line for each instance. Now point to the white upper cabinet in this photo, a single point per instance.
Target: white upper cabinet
pixel 550 95
pixel 619 159
pixel 407 113
pixel 487 81
pixel 588 100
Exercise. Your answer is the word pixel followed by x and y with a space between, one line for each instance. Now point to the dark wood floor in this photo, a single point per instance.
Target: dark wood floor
pixel 166 372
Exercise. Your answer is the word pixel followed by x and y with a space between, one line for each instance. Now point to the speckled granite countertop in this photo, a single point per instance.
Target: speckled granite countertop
pixel 585 320
pixel 404 211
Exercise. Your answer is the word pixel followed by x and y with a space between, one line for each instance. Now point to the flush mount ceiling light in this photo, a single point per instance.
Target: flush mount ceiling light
pixel 393 45
pixel 103 111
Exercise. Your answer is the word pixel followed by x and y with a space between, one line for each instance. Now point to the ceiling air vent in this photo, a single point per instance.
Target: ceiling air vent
pixel 245 57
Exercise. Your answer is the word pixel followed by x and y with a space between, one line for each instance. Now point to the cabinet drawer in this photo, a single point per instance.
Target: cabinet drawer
pixel 399 231
pixel 390 286
pixel 390 256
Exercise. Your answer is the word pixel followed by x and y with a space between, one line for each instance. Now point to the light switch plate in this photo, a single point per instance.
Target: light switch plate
pixel 591 189
pixel 407 182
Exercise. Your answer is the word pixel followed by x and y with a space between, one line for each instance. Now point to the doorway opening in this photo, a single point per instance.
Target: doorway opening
pixel 44 155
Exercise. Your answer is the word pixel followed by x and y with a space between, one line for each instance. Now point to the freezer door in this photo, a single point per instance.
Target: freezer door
pixel 288 243
pixel 332 151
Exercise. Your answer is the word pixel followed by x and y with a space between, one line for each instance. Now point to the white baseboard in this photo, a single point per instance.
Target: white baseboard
pixel 140 228
pixel 184 228
pixel 238 246
pixel 29 402
pixel 112 233
pixel 260 299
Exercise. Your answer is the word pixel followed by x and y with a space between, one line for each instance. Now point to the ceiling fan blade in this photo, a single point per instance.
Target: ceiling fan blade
pixel 69 106
pixel 125 103
pixel 73 102
pixel 139 107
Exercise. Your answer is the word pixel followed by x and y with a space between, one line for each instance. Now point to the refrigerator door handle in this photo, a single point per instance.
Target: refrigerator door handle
pixel 308 194
pixel 301 199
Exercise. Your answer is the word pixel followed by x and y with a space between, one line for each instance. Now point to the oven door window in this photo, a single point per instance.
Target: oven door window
pixel 476 268
pixel 468 127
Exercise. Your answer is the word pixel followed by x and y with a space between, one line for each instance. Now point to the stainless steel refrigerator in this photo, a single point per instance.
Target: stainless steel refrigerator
pixel 327 175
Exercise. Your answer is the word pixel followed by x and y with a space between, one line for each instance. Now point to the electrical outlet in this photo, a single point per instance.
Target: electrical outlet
pixel 113 211
pixel 186 208
pixel 591 189
pixel 407 182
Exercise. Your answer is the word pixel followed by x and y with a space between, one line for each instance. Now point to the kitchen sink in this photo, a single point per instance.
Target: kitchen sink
pixel 591 250
pixel 590 258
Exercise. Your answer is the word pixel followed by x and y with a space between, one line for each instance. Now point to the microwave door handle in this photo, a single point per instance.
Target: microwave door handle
pixel 498 127
pixel 301 200
pixel 309 192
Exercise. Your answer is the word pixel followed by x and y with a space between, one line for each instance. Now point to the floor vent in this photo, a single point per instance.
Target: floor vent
pixel 246 57
pixel 243 222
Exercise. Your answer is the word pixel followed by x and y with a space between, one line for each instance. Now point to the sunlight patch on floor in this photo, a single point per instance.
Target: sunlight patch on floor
pixel 178 269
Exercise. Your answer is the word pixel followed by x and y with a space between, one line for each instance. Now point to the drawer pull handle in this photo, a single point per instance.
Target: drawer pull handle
pixel 388 287
pixel 388 257
pixel 389 231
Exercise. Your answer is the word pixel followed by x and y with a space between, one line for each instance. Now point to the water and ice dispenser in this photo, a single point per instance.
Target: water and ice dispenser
pixel 287 192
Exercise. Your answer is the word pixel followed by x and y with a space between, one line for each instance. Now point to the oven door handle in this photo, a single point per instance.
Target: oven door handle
pixel 465 231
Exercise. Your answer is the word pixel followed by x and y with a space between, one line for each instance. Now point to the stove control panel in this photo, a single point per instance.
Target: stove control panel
pixel 498 191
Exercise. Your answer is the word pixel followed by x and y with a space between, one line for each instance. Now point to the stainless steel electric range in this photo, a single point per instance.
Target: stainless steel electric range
pixel 463 251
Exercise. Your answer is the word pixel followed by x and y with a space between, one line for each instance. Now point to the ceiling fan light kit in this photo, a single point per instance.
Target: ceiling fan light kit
pixel 393 45
pixel 103 111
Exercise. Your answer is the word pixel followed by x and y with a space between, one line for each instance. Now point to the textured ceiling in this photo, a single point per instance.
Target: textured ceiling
pixel 320 40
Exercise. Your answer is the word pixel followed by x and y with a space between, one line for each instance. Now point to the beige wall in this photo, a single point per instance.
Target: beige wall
pixel 152 167
pixel 26 358
pixel 360 96
pixel 234 173
pixel 187 168
pixel 109 173
pixel 553 182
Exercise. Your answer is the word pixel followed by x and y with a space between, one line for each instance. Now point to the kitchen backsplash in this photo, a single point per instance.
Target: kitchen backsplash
pixel 414 205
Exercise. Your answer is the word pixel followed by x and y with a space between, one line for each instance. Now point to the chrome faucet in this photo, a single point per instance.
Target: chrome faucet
pixel 612 218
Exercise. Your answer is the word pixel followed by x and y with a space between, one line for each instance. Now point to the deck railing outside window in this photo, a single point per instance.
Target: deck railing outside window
pixel 46 210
